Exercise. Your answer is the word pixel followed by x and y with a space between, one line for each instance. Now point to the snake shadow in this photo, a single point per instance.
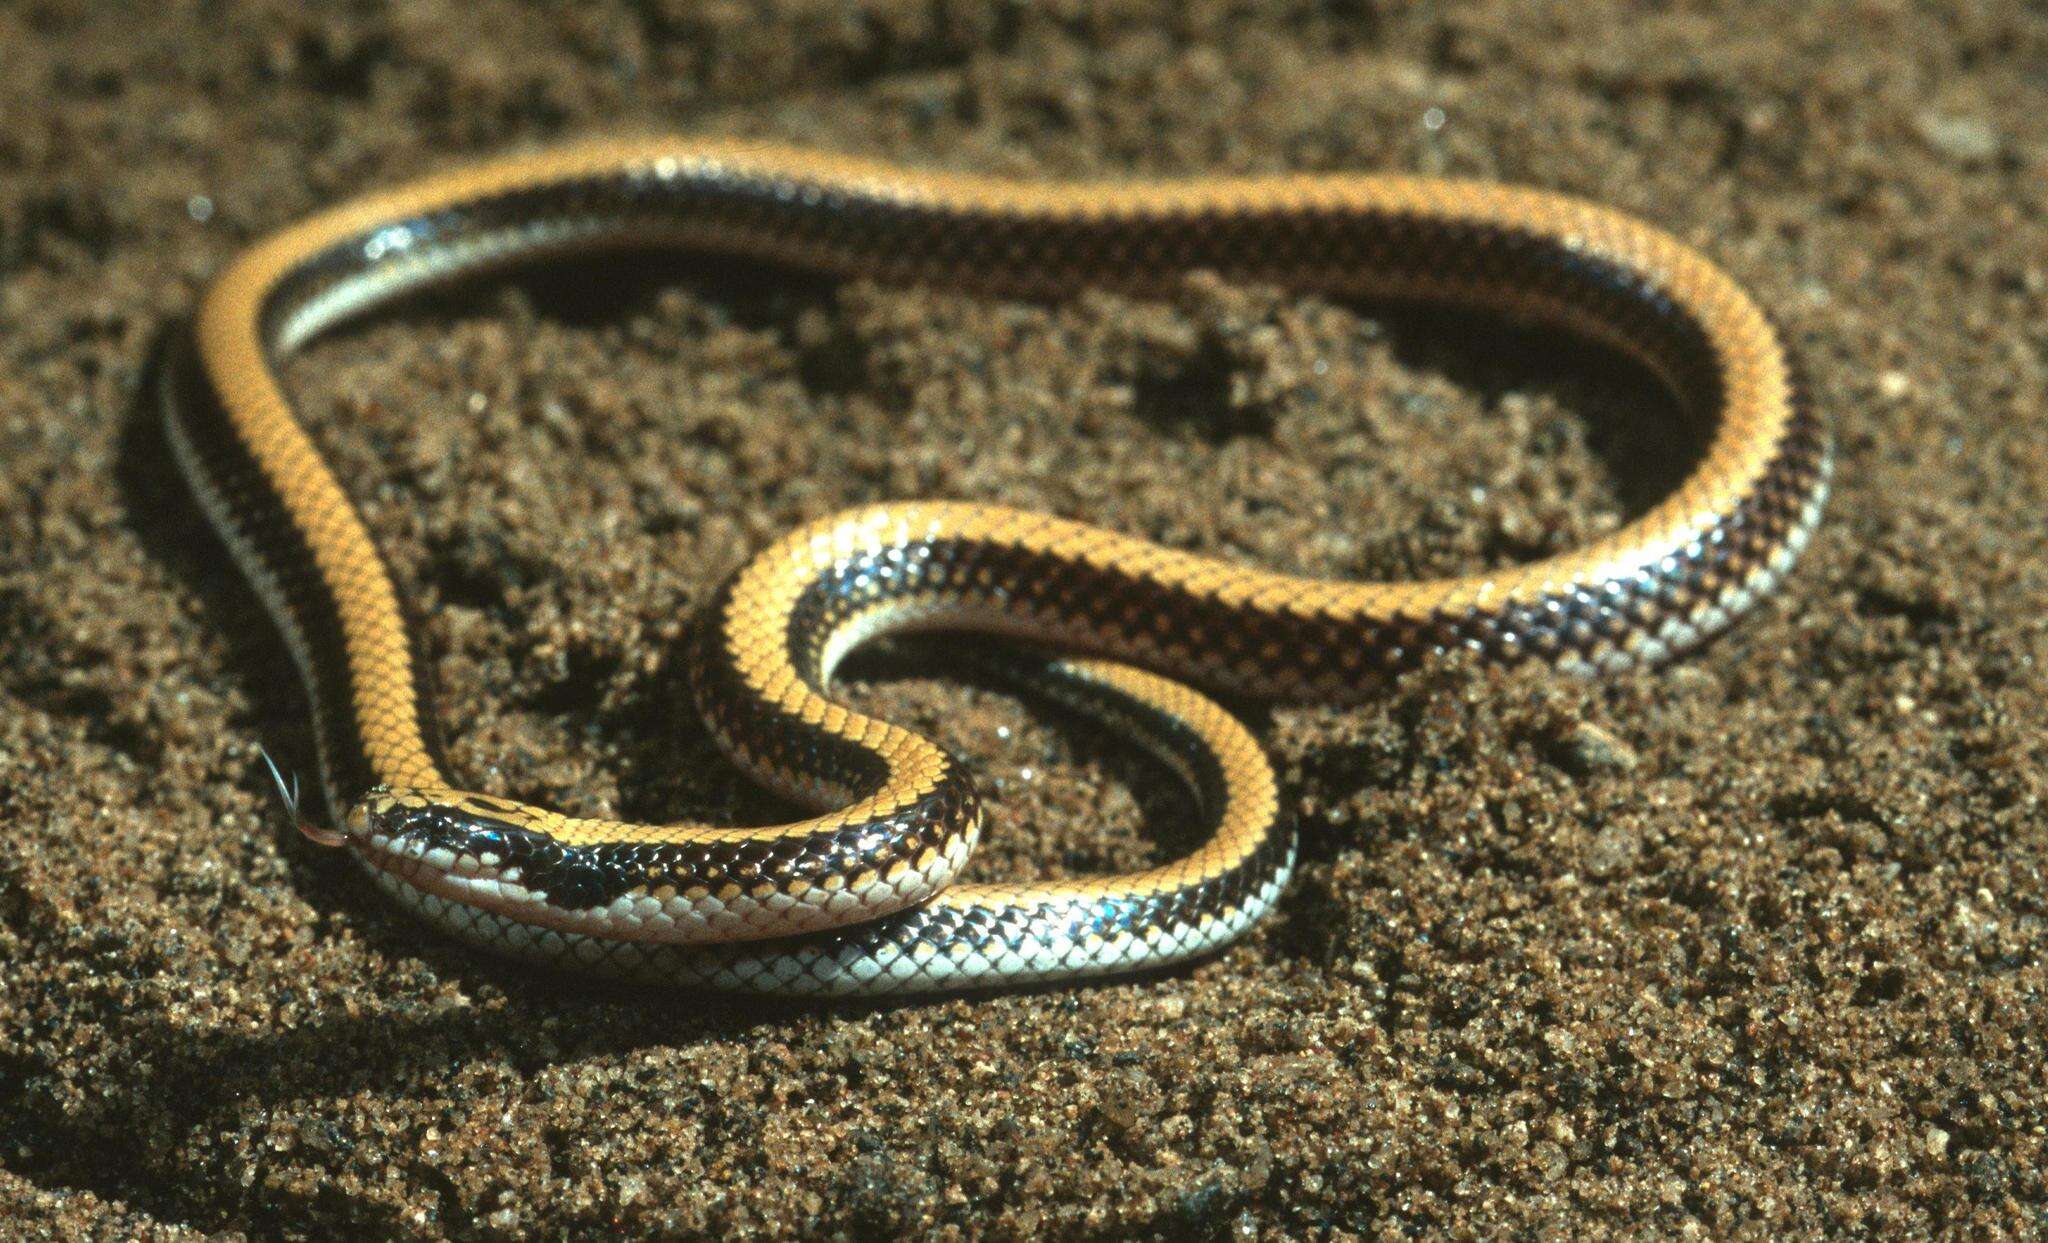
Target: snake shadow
pixel 1646 441
pixel 1638 432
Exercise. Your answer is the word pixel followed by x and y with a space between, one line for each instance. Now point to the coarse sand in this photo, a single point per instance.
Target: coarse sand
pixel 1751 944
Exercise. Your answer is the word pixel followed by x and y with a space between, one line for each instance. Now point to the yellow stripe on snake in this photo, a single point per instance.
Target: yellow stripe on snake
pixel 859 898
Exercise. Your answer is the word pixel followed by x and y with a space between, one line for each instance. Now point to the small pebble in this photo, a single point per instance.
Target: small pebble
pixel 1965 139
pixel 1584 749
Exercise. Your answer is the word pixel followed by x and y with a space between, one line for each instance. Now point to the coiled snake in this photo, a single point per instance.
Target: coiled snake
pixel 858 898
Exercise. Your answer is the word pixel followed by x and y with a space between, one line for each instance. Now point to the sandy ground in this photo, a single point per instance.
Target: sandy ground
pixel 1752 944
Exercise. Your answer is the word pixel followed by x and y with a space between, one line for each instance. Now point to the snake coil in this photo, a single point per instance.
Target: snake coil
pixel 859 897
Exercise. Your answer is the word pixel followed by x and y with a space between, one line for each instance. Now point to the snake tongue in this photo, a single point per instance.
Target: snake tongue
pixel 321 835
pixel 288 795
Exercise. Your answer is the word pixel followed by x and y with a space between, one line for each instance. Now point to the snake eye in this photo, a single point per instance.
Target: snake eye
pixel 575 886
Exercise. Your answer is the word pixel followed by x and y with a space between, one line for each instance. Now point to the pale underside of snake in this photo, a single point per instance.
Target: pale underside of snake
pixel 859 898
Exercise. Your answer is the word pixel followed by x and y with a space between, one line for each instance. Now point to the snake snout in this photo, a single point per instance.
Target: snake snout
pixel 382 813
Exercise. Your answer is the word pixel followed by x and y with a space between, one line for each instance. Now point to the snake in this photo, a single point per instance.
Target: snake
pixel 857 896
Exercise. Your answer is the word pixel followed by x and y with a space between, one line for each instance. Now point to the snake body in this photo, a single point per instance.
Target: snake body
pixel 858 897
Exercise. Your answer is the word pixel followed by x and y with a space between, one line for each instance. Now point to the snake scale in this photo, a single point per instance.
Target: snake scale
pixel 858 897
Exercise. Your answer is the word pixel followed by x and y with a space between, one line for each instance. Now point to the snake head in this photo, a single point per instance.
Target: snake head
pixel 473 848
pixel 384 813
pixel 443 831
pixel 425 820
